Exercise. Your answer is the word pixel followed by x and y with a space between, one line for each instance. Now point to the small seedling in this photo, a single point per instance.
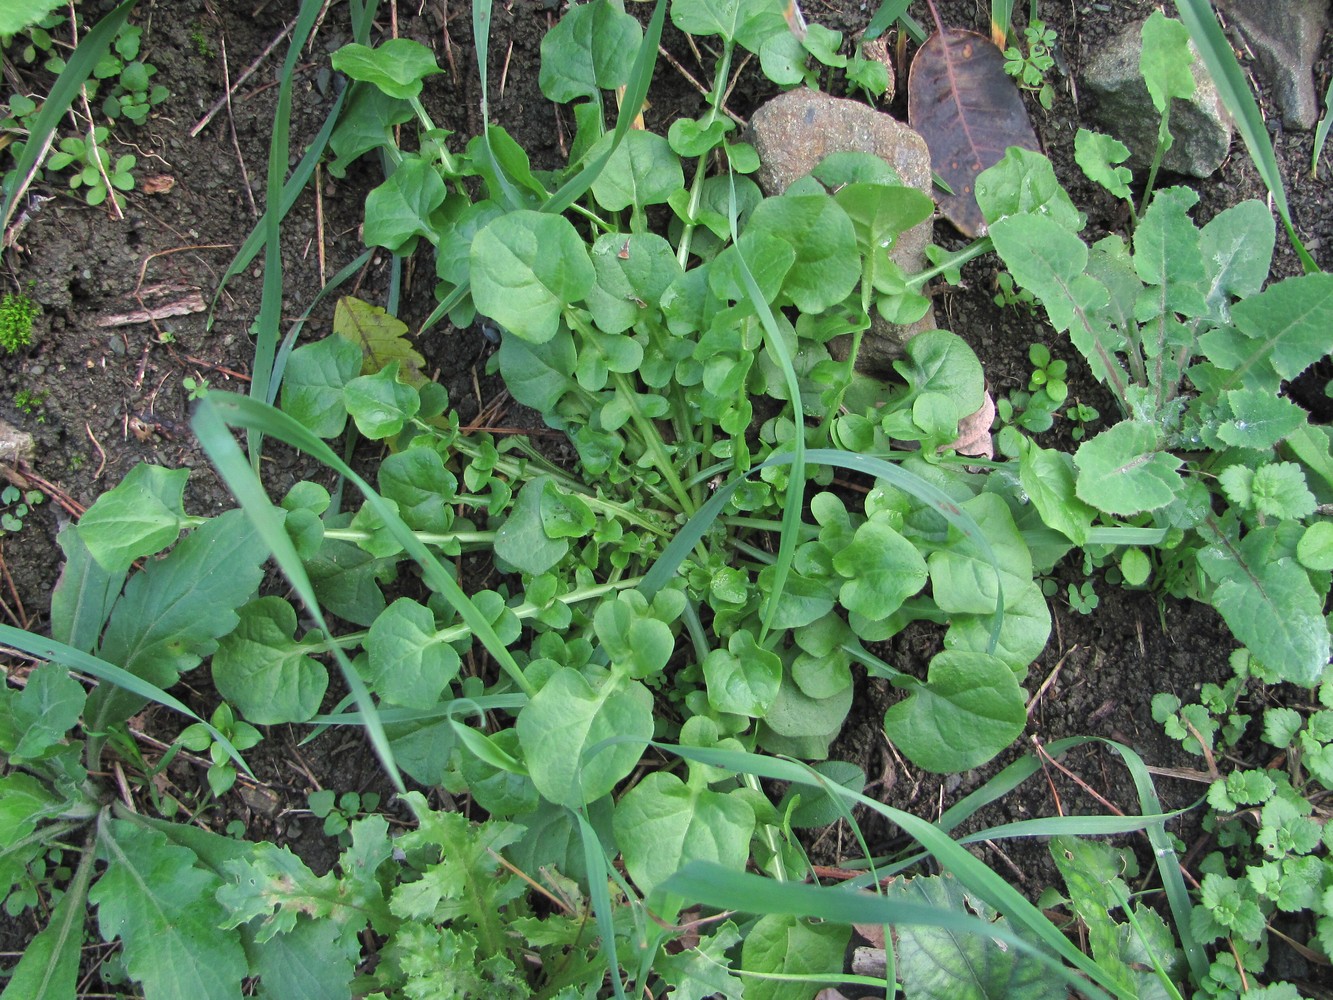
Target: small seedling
pixel 1083 599
pixel 1048 375
pixel 1080 415
pixel 1030 70
pixel 18 505
pixel 338 811
pixel 16 315
pixel 29 402
pixel 1008 294
pixel 94 166
pixel 200 42
pixel 222 772
pixel 195 388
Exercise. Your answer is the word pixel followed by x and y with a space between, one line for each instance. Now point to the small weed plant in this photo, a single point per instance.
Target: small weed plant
pixel 17 313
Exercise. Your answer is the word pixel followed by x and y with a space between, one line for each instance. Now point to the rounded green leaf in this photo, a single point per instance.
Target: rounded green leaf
pixel 882 569
pixel 380 404
pixel 593 47
pixel 526 267
pixel 827 265
pixel 642 171
pixel 398 211
pixel 312 387
pixel 397 66
pixel 1315 549
pixel 968 710
pixel 742 679
pixel 140 516
pixel 417 481
pixel 409 664
pixel 568 717
pixel 1122 471
pixel 263 671
pixel 662 823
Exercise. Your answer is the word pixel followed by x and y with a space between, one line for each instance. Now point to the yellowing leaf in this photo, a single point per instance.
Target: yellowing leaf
pixel 381 337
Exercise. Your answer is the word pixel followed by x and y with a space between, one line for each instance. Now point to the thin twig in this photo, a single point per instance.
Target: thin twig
pixel 231 127
pixel 225 99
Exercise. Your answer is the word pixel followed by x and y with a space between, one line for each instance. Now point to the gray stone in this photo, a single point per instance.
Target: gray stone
pixel 795 131
pixel 1284 36
pixel 16 446
pixel 1200 126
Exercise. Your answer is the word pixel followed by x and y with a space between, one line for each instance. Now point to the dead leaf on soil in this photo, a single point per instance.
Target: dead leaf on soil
pixel 974 438
pixel 969 112
pixel 157 184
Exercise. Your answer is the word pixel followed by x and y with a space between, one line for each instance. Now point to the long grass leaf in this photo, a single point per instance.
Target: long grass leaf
pixel 1211 41
pixel 270 305
pixel 715 885
pixel 291 191
pixel 1321 131
pixel 890 11
pixel 78 68
pixel 221 448
pixel 793 501
pixel 94 666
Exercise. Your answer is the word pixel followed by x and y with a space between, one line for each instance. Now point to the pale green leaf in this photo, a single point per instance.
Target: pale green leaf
pixel 263 671
pixel 162 908
pixel 140 516
pixel 1123 470
pixel 968 710
pixel 409 663
pixel 312 388
pixel 396 66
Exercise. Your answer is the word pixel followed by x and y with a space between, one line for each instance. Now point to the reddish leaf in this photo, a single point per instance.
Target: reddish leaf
pixel 969 112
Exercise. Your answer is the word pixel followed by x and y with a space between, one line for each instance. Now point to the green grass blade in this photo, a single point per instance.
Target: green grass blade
pixel 1211 41
pixel 594 860
pixel 1321 132
pixel 270 305
pixel 890 11
pixel 77 659
pixel 713 885
pixel 78 68
pixel 793 501
pixel 216 440
pixel 291 191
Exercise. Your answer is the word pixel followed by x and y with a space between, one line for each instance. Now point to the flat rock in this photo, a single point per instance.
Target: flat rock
pixel 1201 126
pixel 795 131
pixel 16 446
pixel 1284 36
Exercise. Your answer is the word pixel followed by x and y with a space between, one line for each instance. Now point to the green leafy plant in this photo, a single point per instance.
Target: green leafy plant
pixel 195 388
pixel 1030 67
pixel 200 738
pixel 94 169
pixel 1271 873
pixel 17 313
pixel 17 504
pixel 338 811
pixel 1194 349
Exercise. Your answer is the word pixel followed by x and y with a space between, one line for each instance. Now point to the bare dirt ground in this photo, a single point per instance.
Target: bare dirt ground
pixel 112 393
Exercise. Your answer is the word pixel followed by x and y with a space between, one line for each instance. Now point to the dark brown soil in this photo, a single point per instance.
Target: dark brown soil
pixel 112 396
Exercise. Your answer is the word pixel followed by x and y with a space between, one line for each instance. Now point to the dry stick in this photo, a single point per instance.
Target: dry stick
pixel 143 267
pixel 225 99
pixel 13 590
pixel 504 70
pixel 319 225
pixel 92 129
pixel 101 455
pixel 675 63
pixel 1050 679
pixel 231 127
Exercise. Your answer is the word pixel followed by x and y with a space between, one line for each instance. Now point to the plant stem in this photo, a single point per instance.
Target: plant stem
pixel 701 167
pixel 652 440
